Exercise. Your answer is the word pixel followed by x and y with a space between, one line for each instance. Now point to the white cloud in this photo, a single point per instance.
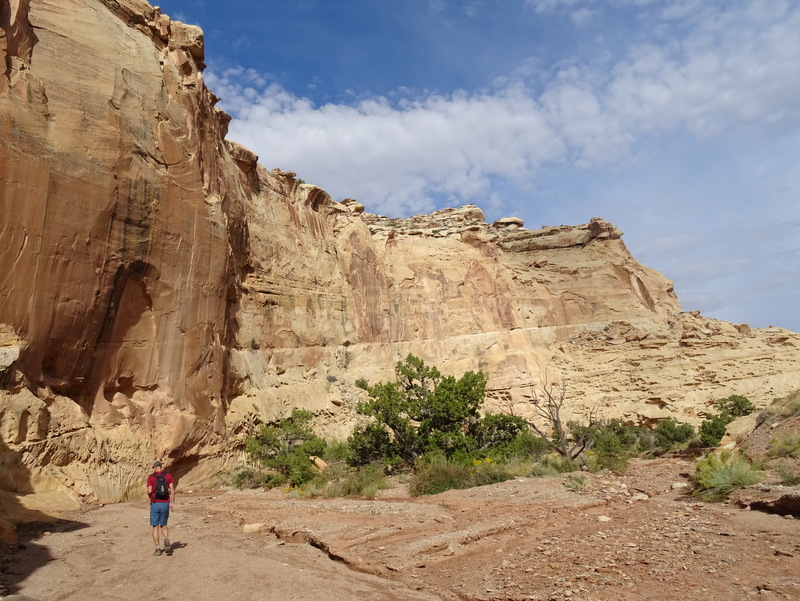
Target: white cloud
pixel 551 5
pixel 403 154
pixel 436 6
pixel 582 17
pixel 717 83
pixel 682 9
pixel 543 6
pixel 713 79
pixel 472 8
pixel 395 157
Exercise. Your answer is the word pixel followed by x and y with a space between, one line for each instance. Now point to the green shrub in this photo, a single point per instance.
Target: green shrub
pixel 764 416
pixel 784 444
pixel 791 406
pixel 632 439
pixel 557 463
pixel 609 462
pixel 671 434
pixel 247 477
pixel 712 429
pixel 718 474
pixel 788 476
pixel 499 433
pixel 575 482
pixel 608 453
pixel 425 414
pixel 436 473
pixel 488 472
pixel 423 411
pixel 286 447
pixel 296 466
pixel 341 481
pixel 519 466
pixel 735 406
pixel 369 444
pixel 611 443
pixel 785 408
pixel 337 450
pixel 541 470
pixel 528 445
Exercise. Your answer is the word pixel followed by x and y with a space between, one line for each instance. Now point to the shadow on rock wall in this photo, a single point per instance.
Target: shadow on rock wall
pixel 21 529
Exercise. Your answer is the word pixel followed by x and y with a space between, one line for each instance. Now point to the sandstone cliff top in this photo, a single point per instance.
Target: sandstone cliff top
pixel 507 232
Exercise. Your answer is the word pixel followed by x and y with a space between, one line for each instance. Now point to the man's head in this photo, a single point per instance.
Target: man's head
pixel 158 466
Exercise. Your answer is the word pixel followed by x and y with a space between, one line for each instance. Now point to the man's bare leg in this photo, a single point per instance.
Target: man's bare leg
pixel 167 545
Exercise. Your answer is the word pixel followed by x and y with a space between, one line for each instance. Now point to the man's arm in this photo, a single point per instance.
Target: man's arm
pixel 172 493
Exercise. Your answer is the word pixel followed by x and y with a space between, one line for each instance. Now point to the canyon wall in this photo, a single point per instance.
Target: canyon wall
pixel 123 219
pixel 162 292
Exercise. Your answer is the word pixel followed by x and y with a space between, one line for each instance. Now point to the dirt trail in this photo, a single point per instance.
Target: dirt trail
pixel 106 553
pixel 612 538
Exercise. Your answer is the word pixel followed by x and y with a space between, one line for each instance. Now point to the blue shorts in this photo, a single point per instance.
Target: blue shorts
pixel 159 514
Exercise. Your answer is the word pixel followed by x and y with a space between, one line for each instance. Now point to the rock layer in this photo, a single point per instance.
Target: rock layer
pixel 162 292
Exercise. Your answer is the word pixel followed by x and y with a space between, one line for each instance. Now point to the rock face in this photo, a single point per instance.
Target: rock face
pixel 162 292
pixel 123 218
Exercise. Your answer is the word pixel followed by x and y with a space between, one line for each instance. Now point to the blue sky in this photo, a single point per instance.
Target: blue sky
pixel 676 120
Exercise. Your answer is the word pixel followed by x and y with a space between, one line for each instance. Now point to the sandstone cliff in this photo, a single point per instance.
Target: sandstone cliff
pixel 162 292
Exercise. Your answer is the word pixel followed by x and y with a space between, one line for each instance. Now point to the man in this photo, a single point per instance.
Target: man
pixel 161 490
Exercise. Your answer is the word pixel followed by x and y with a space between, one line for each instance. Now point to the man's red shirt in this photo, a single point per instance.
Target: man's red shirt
pixel 151 484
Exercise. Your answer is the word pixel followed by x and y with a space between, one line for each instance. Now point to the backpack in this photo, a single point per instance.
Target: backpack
pixel 161 492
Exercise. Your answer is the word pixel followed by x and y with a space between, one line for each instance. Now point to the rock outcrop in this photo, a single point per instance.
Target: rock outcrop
pixel 123 231
pixel 162 292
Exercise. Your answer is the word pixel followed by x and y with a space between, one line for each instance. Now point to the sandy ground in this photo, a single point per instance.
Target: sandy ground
pixel 631 537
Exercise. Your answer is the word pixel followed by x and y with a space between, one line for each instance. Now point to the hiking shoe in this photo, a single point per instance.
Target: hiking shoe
pixel 158 552
pixel 167 546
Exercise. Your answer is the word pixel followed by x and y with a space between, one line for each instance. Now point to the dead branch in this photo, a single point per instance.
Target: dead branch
pixel 548 405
